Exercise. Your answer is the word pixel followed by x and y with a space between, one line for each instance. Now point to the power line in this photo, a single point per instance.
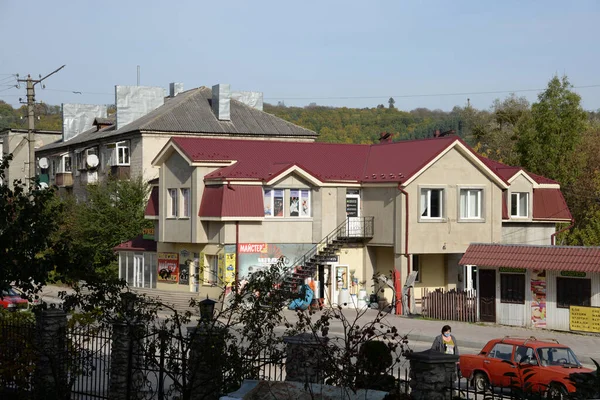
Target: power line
pixel 79 92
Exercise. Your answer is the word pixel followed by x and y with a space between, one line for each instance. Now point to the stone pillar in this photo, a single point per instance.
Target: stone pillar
pixel 305 355
pixel 432 375
pixel 205 365
pixel 51 370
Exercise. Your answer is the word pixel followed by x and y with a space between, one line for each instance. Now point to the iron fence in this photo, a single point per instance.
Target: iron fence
pixel 89 349
pixel 17 359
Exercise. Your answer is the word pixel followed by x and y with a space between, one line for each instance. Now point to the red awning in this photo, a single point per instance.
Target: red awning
pixel 152 206
pixel 232 201
pixel 562 258
pixel 137 244
pixel 550 205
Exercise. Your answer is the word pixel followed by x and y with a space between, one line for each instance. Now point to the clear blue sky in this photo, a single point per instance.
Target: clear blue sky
pixel 304 49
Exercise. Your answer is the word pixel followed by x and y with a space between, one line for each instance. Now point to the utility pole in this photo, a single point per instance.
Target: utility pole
pixel 31 118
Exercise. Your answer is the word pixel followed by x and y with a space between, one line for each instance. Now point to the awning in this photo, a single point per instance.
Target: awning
pixel 560 258
pixel 232 201
pixel 137 244
pixel 152 206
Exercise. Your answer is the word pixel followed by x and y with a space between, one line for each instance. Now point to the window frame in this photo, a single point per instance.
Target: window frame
pixel 507 294
pixel 172 203
pixel 272 192
pixel 480 205
pixel 517 204
pixel 300 196
pixel 570 292
pixel 185 208
pixel 63 164
pixel 494 351
pixel 212 269
pixel 125 147
pixel 442 201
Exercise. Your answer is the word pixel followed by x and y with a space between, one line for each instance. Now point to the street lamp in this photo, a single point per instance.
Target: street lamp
pixel 207 309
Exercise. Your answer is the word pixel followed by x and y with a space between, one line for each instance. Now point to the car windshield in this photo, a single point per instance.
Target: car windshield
pixel 557 356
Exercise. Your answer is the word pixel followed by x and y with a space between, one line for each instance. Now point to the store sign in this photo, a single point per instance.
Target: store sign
pixel 513 270
pixel 252 247
pixel 330 259
pixel 574 274
pixel 148 233
pixel 168 267
pixel 584 319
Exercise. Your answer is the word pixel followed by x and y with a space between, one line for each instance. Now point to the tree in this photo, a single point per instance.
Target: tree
pixel 549 137
pixel 391 102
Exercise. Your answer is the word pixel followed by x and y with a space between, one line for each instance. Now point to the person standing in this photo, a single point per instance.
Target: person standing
pixel 446 342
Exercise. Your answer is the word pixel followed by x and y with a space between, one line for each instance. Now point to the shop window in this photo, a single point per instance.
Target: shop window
pixel 211 270
pixel 512 288
pixel 299 203
pixel 185 202
pixel 470 203
pixel 172 203
pixel 573 292
pixel 432 202
pixel 519 205
pixel 273 202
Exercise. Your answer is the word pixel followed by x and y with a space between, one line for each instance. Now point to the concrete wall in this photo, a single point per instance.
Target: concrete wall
pixel 175 174
pixel 524 185
pixel 432 270
pixel 527 233
pixel 381 204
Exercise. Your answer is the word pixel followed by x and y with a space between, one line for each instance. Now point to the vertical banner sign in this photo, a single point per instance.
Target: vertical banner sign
pixel 538 299
pixel 168 267
pixel 221 269
pixel 184 267
pixel 229 277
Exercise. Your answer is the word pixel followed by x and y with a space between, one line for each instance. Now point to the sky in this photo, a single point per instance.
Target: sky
pixel 433 54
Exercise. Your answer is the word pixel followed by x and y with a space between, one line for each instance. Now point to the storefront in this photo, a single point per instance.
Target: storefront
pixel 548 287
pixel 138 263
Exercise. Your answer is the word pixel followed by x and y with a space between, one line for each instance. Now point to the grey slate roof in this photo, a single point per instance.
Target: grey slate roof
pixel 190 112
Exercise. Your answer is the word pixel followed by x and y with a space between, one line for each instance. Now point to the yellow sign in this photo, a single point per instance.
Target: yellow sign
pixel 229 274
pixel 584 319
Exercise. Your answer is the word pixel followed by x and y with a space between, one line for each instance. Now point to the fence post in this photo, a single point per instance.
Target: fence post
pixel 126 377
pixel 430 374
pixel 51 370
pixel 205 367
pixel 304 357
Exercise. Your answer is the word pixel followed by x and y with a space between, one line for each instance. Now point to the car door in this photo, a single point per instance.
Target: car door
pixel 528 368
pixel 499 362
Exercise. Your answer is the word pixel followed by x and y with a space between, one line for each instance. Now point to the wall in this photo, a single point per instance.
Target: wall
pixel 16 143
pixel 433 273
pixel 521 184
pixel 453 171
pixel 381 204
pixel 384 263
pixel 273 230
pixel 150 146
pixel 531 233
pixel 176 173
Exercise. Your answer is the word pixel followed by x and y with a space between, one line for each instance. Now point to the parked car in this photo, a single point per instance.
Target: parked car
pixel 530 364
pixel 11 300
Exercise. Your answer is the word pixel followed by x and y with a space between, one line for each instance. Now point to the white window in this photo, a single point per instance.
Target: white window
pixel 273 203
pixel 64 164
pixel 519 205
pixel 172 203
pixel 432 203
pixel 299 203
pixel 185 202
pixel 470 203
pixel 122 153
pixel 211 270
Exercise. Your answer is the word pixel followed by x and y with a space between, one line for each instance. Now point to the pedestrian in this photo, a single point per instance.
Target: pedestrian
pixel 446 342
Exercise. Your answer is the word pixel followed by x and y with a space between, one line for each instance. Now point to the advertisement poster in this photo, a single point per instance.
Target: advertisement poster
pixel 229 277
pixel 184 267
pixel 294 202
pixel 254 257
pixel 341 277
pixel 538 299
pixel 168 267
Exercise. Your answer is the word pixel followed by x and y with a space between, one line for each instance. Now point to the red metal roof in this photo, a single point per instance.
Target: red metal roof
pixel 137 244
pixel 152 206
pixel 549 204
pixel 507 172
pixel 232 201
pixel 563 258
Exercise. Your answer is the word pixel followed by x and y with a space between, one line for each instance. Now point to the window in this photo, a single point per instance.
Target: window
pixel 470 203
pixel 519 205
pixel 524 354
pixel 211 269
pixel 416 266
pixel 573 292
pixel 557 356
pixel 64 164
pixel 273 202
pixel 299 203
pixel 185 202
pixel 502 351
pixel 122 153
pixel 432 203
pixel 512 288
pixel 172 203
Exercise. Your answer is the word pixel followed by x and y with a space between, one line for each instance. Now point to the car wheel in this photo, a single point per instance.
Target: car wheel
pixel 480 382
pixel 556 391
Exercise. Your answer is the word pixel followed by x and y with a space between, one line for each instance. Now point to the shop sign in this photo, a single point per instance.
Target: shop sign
pixel 252 247
pixel 168 267
pixel 148 233
pixel 513 270
pixel 330 259
pixel 584 319
pixel 574 274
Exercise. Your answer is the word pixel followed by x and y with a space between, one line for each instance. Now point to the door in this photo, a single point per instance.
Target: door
pixel 353 224
pixel 138 270
pixel 487 295
pixel 500 366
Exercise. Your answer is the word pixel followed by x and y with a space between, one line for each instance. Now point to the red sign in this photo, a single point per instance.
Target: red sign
pixel 168 267
pixel 252 247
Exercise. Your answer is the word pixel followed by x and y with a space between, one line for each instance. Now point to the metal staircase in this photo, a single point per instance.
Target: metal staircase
pixel 352 230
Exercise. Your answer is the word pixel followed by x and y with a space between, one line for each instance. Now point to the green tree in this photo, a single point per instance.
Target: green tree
pixel 549 138
pixel 391 102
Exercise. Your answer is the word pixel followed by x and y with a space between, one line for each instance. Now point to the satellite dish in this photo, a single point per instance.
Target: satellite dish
pixel 92 160
pixel 43 163
pixel 43 185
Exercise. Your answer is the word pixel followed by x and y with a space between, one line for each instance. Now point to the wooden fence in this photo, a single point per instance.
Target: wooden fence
pixel 450 305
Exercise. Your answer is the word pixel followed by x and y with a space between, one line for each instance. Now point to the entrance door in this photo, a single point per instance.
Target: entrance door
pixel 353 224
pixel 487 295
pixel 138 270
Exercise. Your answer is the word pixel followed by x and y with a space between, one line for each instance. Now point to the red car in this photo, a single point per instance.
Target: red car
pixel 11 300
pixel 530 364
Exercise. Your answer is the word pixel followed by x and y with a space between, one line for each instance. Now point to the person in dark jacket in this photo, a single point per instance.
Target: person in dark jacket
pixel 446 342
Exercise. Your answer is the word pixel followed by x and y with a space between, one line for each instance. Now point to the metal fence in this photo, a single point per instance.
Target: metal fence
pixel 453 305
pixel 17 359
pixel 89 349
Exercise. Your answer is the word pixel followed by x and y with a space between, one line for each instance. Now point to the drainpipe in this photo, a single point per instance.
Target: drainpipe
pixel 553 236
pixel 237 256
pixel 399 284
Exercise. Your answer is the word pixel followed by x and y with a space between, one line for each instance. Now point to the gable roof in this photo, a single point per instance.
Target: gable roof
pixel 507 172
pixel 566 258
pixel 79 140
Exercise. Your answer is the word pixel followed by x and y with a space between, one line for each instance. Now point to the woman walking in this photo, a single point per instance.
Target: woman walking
pixel 446 342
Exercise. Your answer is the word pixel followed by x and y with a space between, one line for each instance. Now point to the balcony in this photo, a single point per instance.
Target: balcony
pixel 64 179
pixel 88 177
pixel 120 171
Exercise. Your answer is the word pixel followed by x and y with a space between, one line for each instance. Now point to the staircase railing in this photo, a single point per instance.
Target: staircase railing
pixel 355 228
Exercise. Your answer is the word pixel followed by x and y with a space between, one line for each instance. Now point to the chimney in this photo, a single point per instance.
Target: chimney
pixel 134 102
pixel 175 88
pixel 252 99
pixel 221 99
pixel 437 133
pixel 77 118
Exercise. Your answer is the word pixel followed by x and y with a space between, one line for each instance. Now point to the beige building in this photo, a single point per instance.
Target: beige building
pixel 342 214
